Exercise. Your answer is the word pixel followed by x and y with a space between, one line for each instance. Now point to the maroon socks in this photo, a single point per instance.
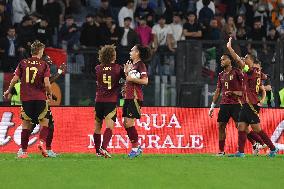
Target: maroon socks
pixel 25 134
pixel 133 136
pixel 106 138
pixel 242 141
pixel 97 141
pixel 221 145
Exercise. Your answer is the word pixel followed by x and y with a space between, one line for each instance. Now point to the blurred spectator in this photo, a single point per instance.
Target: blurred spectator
pixel 214 32
pixel 272 34
pixel 43 31
pixel 258 31
pixel 205 14
pixel 20 9
pixel 26 32
pixel 69 34
pixel 200 5
pixel 242 28
pixel 105 10
pixel 90 28
pixel 37 6
pixel 126 11
pixel 144 32
pixel 52 10
pixel 171 7
pixel 229 28
pixel 280 29
pixel 192 29
pixel 163 37
pixel 262 10
pixel 73 7
pixel 129 36
pixel 245 8
pixel 5 20
pixel 110 32
pixel 144 10
pixel 177 30
pixel 94 3
pixel 9 50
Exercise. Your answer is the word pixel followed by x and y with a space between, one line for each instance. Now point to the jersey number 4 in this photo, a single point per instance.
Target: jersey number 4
pixel 107 80
pixel 33 71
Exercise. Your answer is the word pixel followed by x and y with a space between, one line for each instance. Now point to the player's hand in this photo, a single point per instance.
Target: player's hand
pixel 49 97
pixel 260 103
pixel 210 113
pixel 6 94
pixel 229 44
pixel 129 78
pixel 228 93
pixel 63 67
pixel 128 66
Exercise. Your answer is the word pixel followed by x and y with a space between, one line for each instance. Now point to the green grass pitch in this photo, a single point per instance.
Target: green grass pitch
pixel 84 171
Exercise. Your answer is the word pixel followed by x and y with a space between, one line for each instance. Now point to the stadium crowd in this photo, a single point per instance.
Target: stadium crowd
pixel 159 24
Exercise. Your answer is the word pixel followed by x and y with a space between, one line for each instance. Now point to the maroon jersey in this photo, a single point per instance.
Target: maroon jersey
pixel 232 81
pixel 108 86
pixel 134 90
pixel 252 84
pixel 32 72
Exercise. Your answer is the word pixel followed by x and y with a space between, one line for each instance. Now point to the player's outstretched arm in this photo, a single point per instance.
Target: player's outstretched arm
pixel 12 84
pixel 61 70
pixel 236 57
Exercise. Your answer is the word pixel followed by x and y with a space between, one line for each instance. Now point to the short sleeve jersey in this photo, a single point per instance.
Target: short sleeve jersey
pixel 107 81
pixel 32 72
pixel 134 90
pixel 231 81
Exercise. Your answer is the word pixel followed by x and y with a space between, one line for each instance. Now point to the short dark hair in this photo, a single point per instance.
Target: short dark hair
pixel 107 54
pixel 144 53
pixel 129 1
pixel 128 18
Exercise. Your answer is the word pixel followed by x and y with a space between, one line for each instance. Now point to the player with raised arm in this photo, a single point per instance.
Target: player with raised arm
pixel 229 84
pixel 249 114
pixel 34 75
pixel 108 74
pixel 136 77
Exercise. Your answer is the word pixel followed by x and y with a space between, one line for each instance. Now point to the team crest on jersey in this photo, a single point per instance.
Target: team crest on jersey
pixel 231 77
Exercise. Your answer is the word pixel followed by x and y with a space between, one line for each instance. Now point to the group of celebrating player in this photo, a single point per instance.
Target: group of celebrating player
pixel 35 92
pixel 240 88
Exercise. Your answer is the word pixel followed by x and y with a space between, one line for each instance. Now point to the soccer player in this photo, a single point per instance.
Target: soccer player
pixel 230 83
pixel 34 76
pixel 249 114
pixel 134 94
pixel 49 116
pixel 52 78
pixel 108 74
